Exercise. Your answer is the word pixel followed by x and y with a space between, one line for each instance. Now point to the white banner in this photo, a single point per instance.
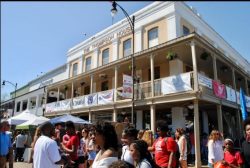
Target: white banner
pixel 50 107
pixel 78 102
pixel 91 100
pixel 204 81
pixel 174 84
pixel 231 95
pixel 105 97
pixel 238 97
pixel 247 101
pixel 63 105
pixel 127 86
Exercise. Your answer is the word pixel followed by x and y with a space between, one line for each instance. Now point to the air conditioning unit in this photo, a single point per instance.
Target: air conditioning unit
pixel 55 94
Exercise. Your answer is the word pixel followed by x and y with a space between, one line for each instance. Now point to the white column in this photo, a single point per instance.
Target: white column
pixel 21 106
pixel 58 94
pixel 194 66
pixel 152 74
pixel 68 69
pixel 72 90
pixel 178 118
pixel 80 65
pixel 91 84
pixel 37 101
pixel 197 135
pixel 28 103
pixel 215 68
pixel 116 83
pixel 90 116
pixel 15 107
pixel 115 49
pixel 115 115
pixel 138 39
pixel 173 26
pixel 95 59
pixel 152 118
pixel 139 116
pixel 219 118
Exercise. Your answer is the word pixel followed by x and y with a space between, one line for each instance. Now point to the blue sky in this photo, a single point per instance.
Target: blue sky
pixel 35 36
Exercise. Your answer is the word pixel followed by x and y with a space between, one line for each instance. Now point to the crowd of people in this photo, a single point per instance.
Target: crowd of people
pixel 106 145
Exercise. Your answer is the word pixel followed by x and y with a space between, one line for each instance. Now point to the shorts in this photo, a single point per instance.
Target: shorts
pixel 91 155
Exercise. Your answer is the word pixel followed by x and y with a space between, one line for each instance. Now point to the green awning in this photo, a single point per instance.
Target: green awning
pixel 25 127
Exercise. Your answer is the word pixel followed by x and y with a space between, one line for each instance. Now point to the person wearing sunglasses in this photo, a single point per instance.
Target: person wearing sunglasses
pixel 232 158
pixel 215 148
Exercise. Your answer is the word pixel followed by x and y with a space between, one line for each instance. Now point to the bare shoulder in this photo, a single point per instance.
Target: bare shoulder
pixel 110 153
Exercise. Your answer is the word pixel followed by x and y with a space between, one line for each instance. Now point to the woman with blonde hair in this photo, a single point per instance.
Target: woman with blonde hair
pixel 215 148
pixel 182 144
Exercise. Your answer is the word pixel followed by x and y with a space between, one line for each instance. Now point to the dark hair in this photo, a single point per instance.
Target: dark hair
pixel 119 164
pixel 109 135
pixel 46 128
pixel 131 132
pixel 181 131
pixel 142 147
pixel 162 125
pixel 245 123
pixel 70 124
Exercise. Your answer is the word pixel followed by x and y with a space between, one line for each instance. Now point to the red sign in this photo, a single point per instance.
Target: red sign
pixel 219 90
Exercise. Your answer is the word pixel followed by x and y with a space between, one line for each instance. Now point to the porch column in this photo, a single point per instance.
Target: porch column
pixel 152 118
pixel 46 96
pixel 197 135
pixel 115 115
pixel 72 90
pixel 192 44
pixel 152 75
pixel 91 84
pixel 58 94
pixel 28 103
pixel 215 68
pixel 116 83
pixel 247 93
pixel 37 101
pixel 90 116
pixel 219 118
pixel 15 107
pixel 139 119
pixel 21 106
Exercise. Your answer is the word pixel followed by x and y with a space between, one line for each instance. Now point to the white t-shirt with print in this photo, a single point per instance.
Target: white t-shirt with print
pixel 46 153
pixel 126 156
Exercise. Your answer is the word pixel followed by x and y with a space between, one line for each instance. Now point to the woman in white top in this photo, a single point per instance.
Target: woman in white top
pixel 106 138
pixel 215 148
pixel 128 136
pixel 85 141
pixel 182 144
pixel 141 155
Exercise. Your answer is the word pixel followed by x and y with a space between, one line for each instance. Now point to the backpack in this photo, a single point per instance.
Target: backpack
pixel 189 144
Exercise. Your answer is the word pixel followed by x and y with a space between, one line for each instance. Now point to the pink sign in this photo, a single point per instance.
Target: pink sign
pixel 219 90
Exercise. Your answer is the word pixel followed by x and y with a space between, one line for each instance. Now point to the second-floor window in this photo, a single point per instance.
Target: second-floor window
pixel 105 86
pixel 153 37
pixel 186 31
pixel 75 68
pixel 127 48
pixel 105 57
pixel 88 64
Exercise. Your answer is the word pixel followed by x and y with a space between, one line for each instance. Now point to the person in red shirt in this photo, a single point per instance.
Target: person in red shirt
pixel 73 143
pixel 232 158
pixel 164 147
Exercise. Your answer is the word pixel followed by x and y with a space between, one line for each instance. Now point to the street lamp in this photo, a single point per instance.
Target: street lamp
pixel 15 85
pixel 132 27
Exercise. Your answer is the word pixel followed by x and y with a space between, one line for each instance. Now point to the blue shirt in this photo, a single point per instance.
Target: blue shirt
pixel 5 143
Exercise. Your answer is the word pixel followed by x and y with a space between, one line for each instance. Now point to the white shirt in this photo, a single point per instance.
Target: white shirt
pixel 144 164
pixel 103 163
pixel 46 153
pixel 180 143
pixel 126 156
pixel 215 151
pixel 20 140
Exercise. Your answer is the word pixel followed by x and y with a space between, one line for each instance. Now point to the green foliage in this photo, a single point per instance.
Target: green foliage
pixel 171 55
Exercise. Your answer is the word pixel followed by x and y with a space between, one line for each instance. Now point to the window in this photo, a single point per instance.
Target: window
pixel 153 37
pixel 156 73
pixel 88 64
pixel 86 90
pixel 127 48
pixel 18 107
pixel 186 31
pixel 105 86
pixel 75 68
pixel 105 57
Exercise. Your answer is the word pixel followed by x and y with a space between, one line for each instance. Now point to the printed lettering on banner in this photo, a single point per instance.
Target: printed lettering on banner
pixel 91 100
pixel 247 101
pixel 50 107
pixel 127 86
pixel 79 102
pixel 63 105
pixel 205 81
pixel 105 97
pixel 231 95
pixel 219 90
pixel 174 84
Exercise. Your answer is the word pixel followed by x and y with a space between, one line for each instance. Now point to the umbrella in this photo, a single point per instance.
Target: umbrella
pixel 21 118
pixel 68 117
pixel 36 121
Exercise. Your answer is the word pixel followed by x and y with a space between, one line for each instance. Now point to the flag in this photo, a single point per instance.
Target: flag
pixel 243 104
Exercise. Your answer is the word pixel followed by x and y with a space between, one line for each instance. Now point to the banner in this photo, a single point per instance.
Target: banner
pixel 231 95
pixel 50 107
pixel 205 81
pixel 63 105
pixel 174 84
pixel 91 100
pixel 243 104
pixel 247 101
pixel 78 102
pixel 219 90
pixel 127 86
pixel 238 97
pixel 105 97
